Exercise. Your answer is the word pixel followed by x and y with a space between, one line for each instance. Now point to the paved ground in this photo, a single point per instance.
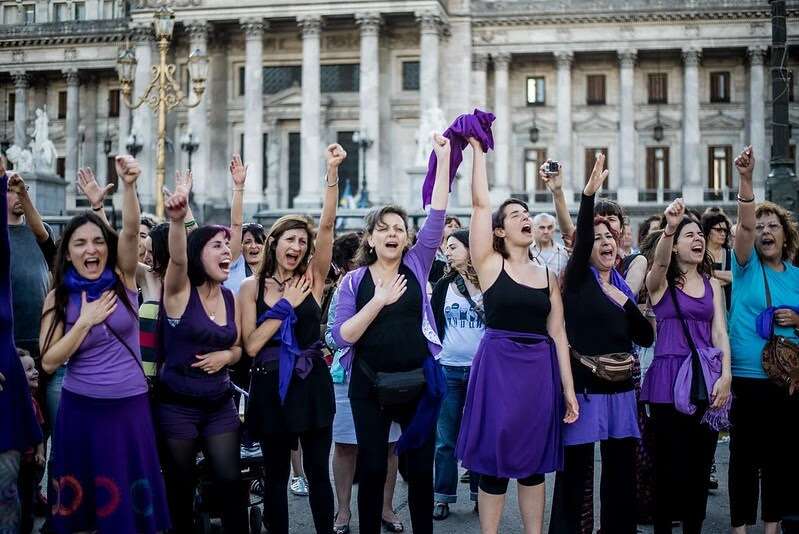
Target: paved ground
pixel 463 521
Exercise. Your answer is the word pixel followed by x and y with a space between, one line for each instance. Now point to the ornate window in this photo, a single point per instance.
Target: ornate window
pixel 344 78
pixel 590 158
pixel 658 88
pixel 719 168
pixel 536 91
pixel 410 75
pixel 280 78
pixel 719 86
pixel 595 90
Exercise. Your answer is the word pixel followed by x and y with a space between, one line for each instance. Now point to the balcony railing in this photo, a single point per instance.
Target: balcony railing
pixel 87 28
pixel 720 195
pixel 658 195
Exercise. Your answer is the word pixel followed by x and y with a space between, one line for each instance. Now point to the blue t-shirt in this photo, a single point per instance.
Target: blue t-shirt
pixel 238 272
pixel 748 301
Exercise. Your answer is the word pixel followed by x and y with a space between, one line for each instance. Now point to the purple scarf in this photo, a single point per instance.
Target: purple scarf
pixel 617 281
pixel 710 359
pixel 477 125
pixel 765 321
pixel 94 289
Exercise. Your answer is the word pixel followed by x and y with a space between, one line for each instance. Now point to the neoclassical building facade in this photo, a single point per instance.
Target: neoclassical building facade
pixel 670 91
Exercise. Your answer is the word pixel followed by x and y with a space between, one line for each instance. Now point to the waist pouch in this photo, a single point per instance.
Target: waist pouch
pixel 613 367
pixel 395 388
pixel 165 395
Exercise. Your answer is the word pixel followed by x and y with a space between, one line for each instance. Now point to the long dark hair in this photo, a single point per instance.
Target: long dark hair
pixel 282 225
pixel 159 241
pixel 498 221
pixel 674 276
pixel 366 254
pixel 568 275
pixel 711 219
pixel 194 251
pixel 61 295
pixel 471 272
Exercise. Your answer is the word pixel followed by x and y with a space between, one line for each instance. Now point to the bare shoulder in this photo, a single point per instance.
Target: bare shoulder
pixel 247 287
pixel 716 285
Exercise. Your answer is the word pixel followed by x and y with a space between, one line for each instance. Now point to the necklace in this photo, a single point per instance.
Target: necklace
pixel 281 285
pixel 211 314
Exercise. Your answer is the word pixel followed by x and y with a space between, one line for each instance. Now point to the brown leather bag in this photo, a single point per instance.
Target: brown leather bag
pixel 614 367
pixel 780 356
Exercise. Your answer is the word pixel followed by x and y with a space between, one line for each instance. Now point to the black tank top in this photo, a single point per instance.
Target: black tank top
pixel 309 317
pixel 510 305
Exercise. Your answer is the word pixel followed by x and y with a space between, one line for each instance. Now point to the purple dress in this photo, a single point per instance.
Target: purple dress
pixel 671 347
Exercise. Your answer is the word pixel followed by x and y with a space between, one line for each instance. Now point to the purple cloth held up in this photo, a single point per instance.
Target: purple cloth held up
pixel 765 321
pixel 477 125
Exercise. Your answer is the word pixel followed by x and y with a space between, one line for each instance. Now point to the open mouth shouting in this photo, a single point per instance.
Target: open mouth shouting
pixel 698 249
pixel 92 266
pixel 527 229
pixel 224 266
pixel 607 254
pixel 392 244
pixel 292 258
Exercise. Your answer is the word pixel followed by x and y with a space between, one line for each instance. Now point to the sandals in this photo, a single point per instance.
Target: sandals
pixel 440 511
pixel 390 526
pixel 341 529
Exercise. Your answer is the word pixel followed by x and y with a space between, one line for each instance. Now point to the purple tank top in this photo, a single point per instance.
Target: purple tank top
pixel 195 333
pixel 103 366
pixel 698 313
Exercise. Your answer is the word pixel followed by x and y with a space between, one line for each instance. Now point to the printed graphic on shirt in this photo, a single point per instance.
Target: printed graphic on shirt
pixel 458 316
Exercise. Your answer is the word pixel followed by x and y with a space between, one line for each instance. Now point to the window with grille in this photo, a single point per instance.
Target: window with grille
pixel 12 103
pixel 80 10
pixel 344 78
pixel 536 91
pixel 657 168
pixel 60 12
pixel 590 158
pixel 62 104
pixel 596 90
pixel 113 103
pixel 348 172
pixel 533 159
pixel 719 168
pixel 29 14
pixel 242 80
pixel 280 78
pixel 410 75
pixel 719 86
pixel 295 153
pixel 61 166
pixel 658 88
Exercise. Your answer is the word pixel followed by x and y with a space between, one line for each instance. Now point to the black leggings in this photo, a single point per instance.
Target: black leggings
pixel 499 486
pixel 222 456
pixel 372 424
pixel 684 450
pixel 617 487
pixel 277 449
pixel 757 435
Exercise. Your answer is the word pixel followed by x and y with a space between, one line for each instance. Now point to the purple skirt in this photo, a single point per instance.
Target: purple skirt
pixel 105 471
pixel 511 425
pixel 603 416
pixel 658 386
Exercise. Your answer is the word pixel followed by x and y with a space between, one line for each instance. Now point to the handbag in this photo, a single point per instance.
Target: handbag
pixel 698 392
pixel 613 367
pixel 780 356
pixel 395 388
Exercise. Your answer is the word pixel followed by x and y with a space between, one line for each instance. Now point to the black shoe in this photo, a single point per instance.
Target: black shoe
pixel 466 477
pixel 712 481
pixel 389 526
pixel 440 511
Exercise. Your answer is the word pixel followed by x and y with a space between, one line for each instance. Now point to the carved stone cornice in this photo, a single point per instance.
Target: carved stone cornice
pixel 501 60
pixel 310 25
pixel 757 54
pixel 71 76
pixel 22 79
pixel 564 58
pixel 142 33
pixel 253 27
pixel 691 56
pixel 64 33
pixel 197 29
pixel 479 61
pixel 429 21
pixel 369 23
pixel 627 58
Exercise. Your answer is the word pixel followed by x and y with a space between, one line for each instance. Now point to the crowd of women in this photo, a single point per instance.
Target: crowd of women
pixel 495 361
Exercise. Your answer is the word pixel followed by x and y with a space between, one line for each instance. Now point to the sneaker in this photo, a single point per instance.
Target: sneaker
pixel 299 486
pixel 713 482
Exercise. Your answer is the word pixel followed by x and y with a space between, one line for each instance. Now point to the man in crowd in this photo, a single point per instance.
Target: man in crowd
pixel 545 250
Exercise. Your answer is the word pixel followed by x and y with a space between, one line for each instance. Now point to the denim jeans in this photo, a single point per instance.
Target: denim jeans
pixel 449 424
pixel 9 496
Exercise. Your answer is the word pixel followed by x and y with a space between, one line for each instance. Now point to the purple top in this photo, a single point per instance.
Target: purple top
pixel 195 333
pixel 18 427
pixel 477 125
pixel 103 367
pixel 418 259
pixel 671 347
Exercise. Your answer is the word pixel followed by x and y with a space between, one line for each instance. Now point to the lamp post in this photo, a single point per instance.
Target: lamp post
pixel 108 146
pixel 162 93
pixel 360 139
pixel 657 131
pixel 189 145
pixel 133 145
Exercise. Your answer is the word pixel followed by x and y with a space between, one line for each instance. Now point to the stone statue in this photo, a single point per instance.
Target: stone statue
pixel 431 120
pixel 21 158
pixel 42 149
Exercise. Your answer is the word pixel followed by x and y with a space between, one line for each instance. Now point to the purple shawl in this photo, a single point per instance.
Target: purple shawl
pixel 618 281
pixel 477 125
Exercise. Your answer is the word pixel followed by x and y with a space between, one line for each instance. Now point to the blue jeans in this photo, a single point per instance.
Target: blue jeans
pixel 449 425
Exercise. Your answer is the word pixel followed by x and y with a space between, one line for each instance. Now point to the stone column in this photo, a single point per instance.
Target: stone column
pixel 22 82
pixel 573 181
pixel 757 119
pixel 198 119
pixel 370 97
pixel 311 122
pixel 123 126
pixel 216 97
pixel 692 187
pixel 479 80
pixel 253 104
pixel 143 118
pixel 430 23
pixel 89 121
pixel 502 128
pixel 627 187
pixel 71 127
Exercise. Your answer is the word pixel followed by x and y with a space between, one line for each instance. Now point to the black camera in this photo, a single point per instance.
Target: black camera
pixel 553 167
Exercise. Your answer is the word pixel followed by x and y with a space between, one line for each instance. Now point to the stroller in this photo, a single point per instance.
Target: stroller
pixel 252 473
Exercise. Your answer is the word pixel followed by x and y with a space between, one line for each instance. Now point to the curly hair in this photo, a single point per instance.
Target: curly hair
pixel 711 219
pixel 788 227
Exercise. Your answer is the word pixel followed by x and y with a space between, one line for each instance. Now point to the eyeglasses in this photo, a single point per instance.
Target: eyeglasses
pixel 722 229
pixel 772 227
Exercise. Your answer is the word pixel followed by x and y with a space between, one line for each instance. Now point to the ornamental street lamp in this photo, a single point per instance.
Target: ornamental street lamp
pixel 133 145
pixel 360 139
pixel 657 131
pixel 189 145
pixel 162 93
